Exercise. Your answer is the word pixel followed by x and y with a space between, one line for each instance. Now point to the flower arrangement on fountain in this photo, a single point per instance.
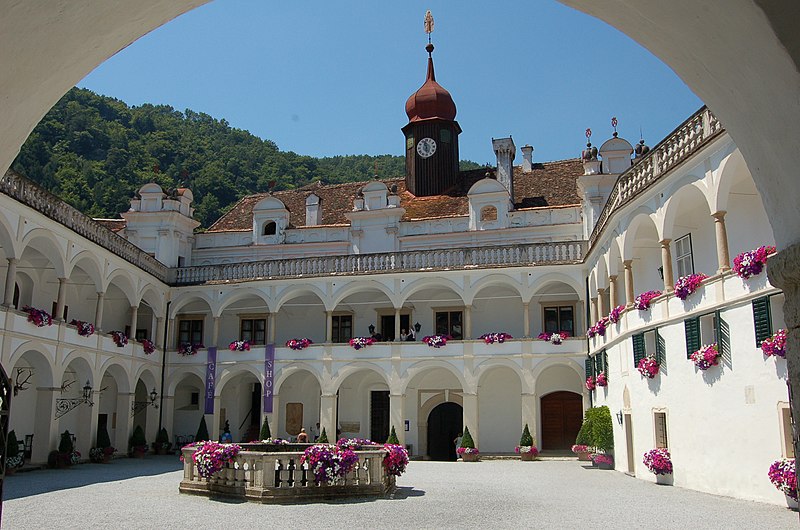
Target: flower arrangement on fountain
pixel 275 441
pixel 210 457
pixel 615 313
pixel 353 443
pixel 148 346
pixel 658 461
pixel 119 338
pixel 436 341
pixel 328 462
pixel 599 328
pixel 299 344
pixel 648 367
pixel 187 348
pixel 85 329
pixel 239 345
pixel 590 383
pixel 686 285
pixel 38 317
pixel 783 475
pixel 706 357
pixel 751 263
pixel 361 342
pixel 499 337
pixel 580 448
pixel 643 301
pixel 775 345
pixel 555 338
pixel 601 379
pixel 396 459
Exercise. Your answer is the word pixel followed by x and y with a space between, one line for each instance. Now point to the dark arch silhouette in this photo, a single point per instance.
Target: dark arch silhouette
pixel 445 422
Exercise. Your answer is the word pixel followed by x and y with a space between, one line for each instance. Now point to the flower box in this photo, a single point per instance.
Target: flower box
pixel 751 263
pixel 553 338
pixel 38 317
pixel 686 285
pixel 643 301
pixel 615 314
pixel 189 349
pixel 436 341
pixel 783 475
pixel 85 329
pixel 491 338
pixel 590 383
pixel 299 344
pixel 119 338
pixel 601 379
pixel 361 342
pixel 658 461
pixel 148 346
pixel 239 345
pixel 648 367
pixel 775 345
pixel 706 357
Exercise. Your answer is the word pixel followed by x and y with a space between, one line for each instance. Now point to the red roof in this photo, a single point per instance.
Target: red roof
pixel 431 100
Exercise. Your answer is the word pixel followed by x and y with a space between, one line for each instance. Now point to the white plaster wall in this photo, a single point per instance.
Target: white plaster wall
pixel 499 411
pixel 300 322
pixel 354 401
pixel 746 220
pixel 504 313
pixel 106 403
pixel 303 388
pixel 186 419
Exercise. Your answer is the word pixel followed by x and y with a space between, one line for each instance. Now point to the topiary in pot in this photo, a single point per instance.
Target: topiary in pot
pixel 393 438
pixel 138 442
pixel 265 433
pixel 603 430
pixel 12 445
pixel 467 450
pixel 103 440
pixel 162 444
pixel 202 431
pixel 323 438
pixel 466 440
pixel 65 445
pixel 526 440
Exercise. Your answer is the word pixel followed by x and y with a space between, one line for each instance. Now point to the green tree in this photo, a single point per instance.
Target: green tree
pixel 323 438
pixel 202 431
pixel 526 440
pixel 466 440
pixel 393 438
pixel 265 434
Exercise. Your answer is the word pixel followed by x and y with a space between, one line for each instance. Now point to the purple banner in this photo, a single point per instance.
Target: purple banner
pixel 269 375
pixel 211 378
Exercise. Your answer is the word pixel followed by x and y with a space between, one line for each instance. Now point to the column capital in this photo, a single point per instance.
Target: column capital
pixel 13 260
pixel 62 280
pixel 612 278
pixel 665 243
pixel 628 263
pixel 719 215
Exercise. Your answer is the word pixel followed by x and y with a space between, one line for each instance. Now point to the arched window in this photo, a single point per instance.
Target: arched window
pixel 488 213
pixel 270 228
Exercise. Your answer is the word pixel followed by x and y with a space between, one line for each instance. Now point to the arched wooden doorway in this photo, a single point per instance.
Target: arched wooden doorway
pixel 562 415
pixel 445 422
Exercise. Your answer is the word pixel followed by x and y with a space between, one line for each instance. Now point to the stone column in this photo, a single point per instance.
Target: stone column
pixel 328 327
pixel 124 420
pixel 783 270
pixel 158 333
pixel 45 428
pixel 273 327
pixel 601 306
pixel 666 265
pixel 171 333
pixel 467 332
pixel 526 319
pixel 134 320
pixel 612 291
pixel 215 425
pixel 61 300
pixel 11 281
pixel 397 325
pixel 98 311
pixel 723 258
pixel 529 415
pixel 629 296
pixel 215 331
pixel 470 403
pixel 397 416
pixel 327 416
pixel 168 416
pixel 593 310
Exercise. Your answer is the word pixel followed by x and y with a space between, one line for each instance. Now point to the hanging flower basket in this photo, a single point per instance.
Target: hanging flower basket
pixel 686 285
pixel 615 314
pixel 239 345
pixel 299 344
pixel 643 301
pixel 210 457
pixel 775 345
pixel 148 346
pixel 85 329
pixel 499 337
pixel 706 357
pixel 590 383
pixel 119 338
pixel 751 263
pixel 38 317
pixel 361 342
pixel 555 338
pixel 648 367
pixel 783 476
pixel 189 349
pixel 396 459
pixel 436 341
pixel 601 379
pixel 658 461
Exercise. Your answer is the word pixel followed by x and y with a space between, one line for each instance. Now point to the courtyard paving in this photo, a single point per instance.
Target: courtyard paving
pixel 143 494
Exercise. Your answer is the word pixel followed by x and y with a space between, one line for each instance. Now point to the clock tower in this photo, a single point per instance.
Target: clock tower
pixel 431 137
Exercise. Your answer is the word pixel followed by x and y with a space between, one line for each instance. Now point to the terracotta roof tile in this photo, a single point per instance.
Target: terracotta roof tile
pixel 548 184
pixel 115 225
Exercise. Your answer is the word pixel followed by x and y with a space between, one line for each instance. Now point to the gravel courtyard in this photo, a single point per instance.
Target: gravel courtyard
pixel 493 494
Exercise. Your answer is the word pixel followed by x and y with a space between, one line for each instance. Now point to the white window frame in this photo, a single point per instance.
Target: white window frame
pixel 684 258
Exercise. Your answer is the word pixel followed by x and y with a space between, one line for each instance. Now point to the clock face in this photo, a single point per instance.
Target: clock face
pixel 426 147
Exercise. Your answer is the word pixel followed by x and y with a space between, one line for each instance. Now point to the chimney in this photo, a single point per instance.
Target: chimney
pixel 527 158
pixel 505 150
pixel 313 210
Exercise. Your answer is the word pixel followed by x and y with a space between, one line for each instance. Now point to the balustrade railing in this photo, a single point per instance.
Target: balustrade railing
pixel 406 261
pixel 29 193
pixel 687 139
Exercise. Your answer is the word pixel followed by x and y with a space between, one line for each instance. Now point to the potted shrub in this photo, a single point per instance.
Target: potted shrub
pixel 202 431
pixel 583 440
pixel 392 439
pixel 265 434
pixel 104 451
pixel 526 448
pixel 783 475
pixel 659 462
pixel 162 446
pixel 14 460
pixel 65 450
pixel 467 451
pixel 603 435
pixel 138 442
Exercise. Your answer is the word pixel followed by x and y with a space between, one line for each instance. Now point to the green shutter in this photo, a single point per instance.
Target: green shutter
pixel 588 366
pixel 762 319
pixel 724 340
pixel 639 352
pixel 692 328
pixel 661 349
pixel 603 359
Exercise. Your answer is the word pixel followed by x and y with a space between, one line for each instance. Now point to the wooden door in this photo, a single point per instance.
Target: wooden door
pixel 562 415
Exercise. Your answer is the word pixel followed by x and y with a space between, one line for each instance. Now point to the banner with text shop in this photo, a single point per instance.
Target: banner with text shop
pixel 269 375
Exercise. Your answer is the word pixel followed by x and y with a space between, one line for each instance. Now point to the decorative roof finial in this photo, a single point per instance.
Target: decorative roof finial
pixel 614 124
pixel 588 137
pixel 428 24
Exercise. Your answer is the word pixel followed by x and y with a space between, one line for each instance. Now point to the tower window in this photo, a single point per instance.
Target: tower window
pixel 410 142
pixel 444 135
pixel 270 228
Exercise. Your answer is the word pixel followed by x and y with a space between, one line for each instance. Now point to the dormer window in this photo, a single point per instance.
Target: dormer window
pixel 270 229
pixel 489 213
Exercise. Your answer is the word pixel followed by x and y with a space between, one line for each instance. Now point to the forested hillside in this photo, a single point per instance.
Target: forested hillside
pixel 95 152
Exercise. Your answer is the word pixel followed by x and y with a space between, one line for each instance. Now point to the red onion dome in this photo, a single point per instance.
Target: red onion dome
pixel 431 100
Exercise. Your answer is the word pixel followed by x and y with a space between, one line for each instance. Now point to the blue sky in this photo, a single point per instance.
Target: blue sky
pixel 324 78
